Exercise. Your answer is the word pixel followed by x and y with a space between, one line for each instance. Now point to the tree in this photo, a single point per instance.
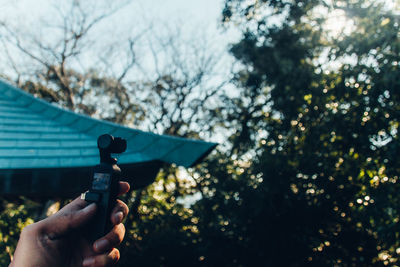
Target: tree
pixel 76 71
pixel 311 179
pixel 181 98
pixel 14 216
pixel 58 69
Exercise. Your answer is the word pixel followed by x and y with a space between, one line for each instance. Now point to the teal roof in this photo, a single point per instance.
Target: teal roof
pixel 36 134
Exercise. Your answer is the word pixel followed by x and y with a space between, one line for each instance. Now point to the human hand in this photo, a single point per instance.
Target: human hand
pixel 59 240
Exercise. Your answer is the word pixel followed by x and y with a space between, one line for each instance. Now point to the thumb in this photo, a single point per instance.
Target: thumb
pixel 68 220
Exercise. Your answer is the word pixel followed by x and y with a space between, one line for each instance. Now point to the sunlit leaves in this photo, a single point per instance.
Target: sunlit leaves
pixel 13 218
pixel 332 136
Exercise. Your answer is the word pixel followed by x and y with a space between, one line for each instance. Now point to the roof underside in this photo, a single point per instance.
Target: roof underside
pixel 36 134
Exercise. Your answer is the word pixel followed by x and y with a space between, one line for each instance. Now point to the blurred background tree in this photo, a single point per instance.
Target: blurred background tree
pixel 312 179
pixel 308 172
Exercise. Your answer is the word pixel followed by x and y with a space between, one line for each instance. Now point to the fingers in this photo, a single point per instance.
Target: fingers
pixel 79 212
pixel 78 203
pixel 102 260
pixel 68 219
pixel 111 240
pixel 119 212
pixel 123 188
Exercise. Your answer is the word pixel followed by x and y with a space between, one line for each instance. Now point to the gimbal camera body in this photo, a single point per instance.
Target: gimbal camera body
pixel 105 185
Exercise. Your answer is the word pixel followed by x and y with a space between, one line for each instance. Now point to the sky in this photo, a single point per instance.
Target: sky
pixel 193 13
pixel 194 9
pixel 195 19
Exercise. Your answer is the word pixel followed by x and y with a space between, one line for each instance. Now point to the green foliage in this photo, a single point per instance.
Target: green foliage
pixel 13 218
pixel 162 232
pixel 318 185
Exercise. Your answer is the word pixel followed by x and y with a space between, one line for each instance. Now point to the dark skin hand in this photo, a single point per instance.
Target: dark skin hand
pixel 58 240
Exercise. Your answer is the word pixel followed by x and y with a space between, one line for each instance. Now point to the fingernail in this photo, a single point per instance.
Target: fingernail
pixel 101 245
pixel 88 262
pixel 118 217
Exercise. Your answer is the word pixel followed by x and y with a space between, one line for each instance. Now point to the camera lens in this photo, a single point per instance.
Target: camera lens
pixel 104 141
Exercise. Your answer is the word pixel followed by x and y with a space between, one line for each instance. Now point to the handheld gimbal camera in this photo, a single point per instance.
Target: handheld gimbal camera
pixel 105 185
